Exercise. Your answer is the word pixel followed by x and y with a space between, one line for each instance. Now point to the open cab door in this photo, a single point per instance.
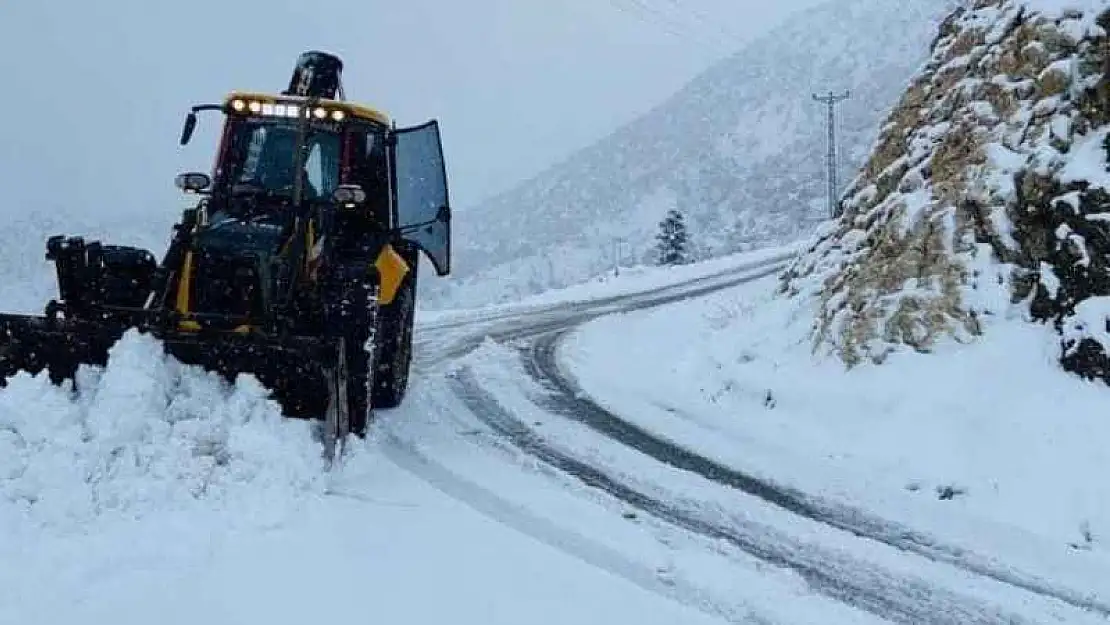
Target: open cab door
pixel 423 206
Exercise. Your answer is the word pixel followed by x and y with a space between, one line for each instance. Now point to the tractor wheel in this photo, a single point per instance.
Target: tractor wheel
pixel 337 417
pixel 358 385
pixel 361 317
pixel 394 340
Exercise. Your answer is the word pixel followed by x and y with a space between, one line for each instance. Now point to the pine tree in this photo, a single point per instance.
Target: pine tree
pixel 672 239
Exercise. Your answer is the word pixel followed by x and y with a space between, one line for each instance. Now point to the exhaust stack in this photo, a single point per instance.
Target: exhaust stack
pixel 317 75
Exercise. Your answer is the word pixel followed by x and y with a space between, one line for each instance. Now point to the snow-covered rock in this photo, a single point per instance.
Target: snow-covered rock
pixel 986 195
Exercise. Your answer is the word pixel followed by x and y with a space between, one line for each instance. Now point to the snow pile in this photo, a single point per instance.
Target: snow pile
pixel 739 151
pixel 985 196
pixel 143 435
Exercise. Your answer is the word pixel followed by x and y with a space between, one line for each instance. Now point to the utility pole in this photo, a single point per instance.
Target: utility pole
pixel 618 243
pixel 831 100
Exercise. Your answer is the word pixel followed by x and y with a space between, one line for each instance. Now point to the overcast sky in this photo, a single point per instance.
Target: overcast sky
pixel 94 92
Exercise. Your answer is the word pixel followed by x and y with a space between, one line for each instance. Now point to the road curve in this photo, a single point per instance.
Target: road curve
pixel 849 580
pixel 446 340
pixel 568 400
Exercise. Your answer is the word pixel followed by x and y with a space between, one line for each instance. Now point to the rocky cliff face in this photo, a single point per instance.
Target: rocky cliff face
pixel 986 195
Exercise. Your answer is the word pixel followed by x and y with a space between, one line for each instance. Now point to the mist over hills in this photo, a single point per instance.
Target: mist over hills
pixel 740 150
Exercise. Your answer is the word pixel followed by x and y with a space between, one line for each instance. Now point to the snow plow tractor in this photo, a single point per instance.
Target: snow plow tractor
pixel 297 264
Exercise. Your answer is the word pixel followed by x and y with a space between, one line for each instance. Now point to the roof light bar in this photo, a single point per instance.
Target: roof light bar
pixel 281 109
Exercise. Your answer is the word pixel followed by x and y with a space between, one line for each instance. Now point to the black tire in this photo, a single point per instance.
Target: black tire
pixel 337 418
pixel 358 391
pixel 358 314
pixel 394 338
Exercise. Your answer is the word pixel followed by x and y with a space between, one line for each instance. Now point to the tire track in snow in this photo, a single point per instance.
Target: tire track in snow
pixel 545 326
pixel 568 400
pixel 850 581
pixel 406 456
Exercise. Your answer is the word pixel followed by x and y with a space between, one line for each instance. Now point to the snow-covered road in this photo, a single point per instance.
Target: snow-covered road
pixel 496 494
pixel 516 394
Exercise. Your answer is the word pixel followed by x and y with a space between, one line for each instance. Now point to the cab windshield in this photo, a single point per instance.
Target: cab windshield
pixel 262 158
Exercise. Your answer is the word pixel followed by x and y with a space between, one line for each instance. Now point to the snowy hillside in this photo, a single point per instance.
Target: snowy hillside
pixel 740 150
pixel 986 197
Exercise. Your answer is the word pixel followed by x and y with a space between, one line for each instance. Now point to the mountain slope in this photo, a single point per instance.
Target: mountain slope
pixel 740 150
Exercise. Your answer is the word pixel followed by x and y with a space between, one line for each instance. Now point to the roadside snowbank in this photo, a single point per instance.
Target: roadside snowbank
pixel 993 443
pixel 145 434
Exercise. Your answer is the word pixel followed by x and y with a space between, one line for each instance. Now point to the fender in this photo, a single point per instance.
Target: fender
pixel 392 269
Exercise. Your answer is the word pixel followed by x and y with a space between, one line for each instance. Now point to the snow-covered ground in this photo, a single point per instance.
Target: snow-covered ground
pixel 989 446
pixel 156 492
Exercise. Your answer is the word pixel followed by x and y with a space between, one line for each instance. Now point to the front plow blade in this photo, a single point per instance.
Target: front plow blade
pixel 305 374
pixel 35 344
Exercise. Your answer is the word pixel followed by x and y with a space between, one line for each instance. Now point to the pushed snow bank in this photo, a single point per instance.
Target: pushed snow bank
pixel 145 434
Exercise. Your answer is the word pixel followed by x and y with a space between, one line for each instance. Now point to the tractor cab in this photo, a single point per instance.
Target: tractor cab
pixel 302 149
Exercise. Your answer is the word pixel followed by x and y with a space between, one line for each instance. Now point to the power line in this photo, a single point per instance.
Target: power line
pixel 645 14
pixel 831 100
pixel 704 19
pixel 648 13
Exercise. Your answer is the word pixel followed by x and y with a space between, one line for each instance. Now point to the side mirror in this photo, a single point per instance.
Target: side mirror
pixel 190 126
pixel 349 195
pixel 192 182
